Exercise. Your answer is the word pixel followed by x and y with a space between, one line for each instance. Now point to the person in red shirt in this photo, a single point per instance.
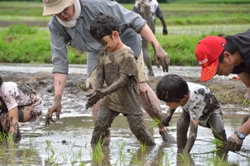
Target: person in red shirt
pixel 223 56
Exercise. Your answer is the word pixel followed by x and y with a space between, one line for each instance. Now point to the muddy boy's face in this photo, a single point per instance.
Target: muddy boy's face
pixel 110 43
pixel 172 105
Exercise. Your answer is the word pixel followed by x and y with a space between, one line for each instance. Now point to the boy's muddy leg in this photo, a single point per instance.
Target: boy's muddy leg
pixel 4 124
pixel 182 129
pixel 151 104
pixel 147 57
pixel 103 121
pixel 215 121
pixel 138 129
pixel 27 114
pixel 94 110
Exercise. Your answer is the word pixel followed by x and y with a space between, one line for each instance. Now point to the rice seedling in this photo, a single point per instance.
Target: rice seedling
pixel 122 155
pixel 97 154
pixel 154 123
pixel 51 153
pixel 184 159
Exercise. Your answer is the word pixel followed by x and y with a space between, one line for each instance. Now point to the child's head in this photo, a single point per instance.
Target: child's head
pixel 105 29
pixel 172 89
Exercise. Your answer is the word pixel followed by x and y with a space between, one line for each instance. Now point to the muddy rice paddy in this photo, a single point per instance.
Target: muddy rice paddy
pixel 67 141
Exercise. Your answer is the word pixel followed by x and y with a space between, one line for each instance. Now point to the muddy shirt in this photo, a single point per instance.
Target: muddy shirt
pixel 17 94
pixel 243 45
pixel 201 103
pixel 110 65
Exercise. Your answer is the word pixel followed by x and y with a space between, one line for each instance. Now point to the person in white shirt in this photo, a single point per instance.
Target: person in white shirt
pixel 149 10
pixel 199 107
pixel 18 103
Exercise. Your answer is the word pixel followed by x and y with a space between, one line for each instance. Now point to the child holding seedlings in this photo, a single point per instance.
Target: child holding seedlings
pixel 199 107
pixel 116 67
pixel 18 103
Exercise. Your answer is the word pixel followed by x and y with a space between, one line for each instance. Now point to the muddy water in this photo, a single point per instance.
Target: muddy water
pixel 67 141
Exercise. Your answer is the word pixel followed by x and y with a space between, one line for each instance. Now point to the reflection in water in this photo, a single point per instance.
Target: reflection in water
pixel 68 141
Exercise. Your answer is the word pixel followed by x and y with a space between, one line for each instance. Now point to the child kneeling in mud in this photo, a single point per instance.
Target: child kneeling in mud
pixel 116 67
pixel 18 103
pixel 199 107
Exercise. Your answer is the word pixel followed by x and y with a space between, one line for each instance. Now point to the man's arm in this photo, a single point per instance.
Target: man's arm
pixel 59 85
pixel 234 143
pixel 161 57
pixel 245 78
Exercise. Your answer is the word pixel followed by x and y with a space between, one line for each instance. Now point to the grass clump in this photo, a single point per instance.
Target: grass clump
pixel 29 44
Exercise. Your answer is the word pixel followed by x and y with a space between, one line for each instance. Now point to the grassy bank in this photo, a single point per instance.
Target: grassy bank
pixel 25 42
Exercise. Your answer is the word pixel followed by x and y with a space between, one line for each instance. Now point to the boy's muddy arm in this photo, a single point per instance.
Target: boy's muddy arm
pixel 192 135
pixel 167 118
pixel 95 96
pixel 116 85
pixel 100 93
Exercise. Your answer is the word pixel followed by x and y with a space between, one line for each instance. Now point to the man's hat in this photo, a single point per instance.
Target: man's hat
pixel 51 7
pixel 207 52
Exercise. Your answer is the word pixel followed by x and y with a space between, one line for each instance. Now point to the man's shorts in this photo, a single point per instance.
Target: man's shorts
pixel 143 77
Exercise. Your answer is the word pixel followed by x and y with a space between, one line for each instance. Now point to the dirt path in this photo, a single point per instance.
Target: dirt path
pixel 228 92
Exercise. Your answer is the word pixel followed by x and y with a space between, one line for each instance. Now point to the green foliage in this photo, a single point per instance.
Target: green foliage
pixel 28 44
pixel 23 43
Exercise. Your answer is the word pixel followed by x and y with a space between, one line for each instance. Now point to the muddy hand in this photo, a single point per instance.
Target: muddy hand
pixel 164 31
pixel 93 98
pixel 234 144
pixel 162 59
pixel 56 107
pixel 165 120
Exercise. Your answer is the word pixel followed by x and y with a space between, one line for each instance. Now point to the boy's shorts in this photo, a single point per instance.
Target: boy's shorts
pixel 143 77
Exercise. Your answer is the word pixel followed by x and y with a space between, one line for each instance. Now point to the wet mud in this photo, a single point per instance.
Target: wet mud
pixel 67 142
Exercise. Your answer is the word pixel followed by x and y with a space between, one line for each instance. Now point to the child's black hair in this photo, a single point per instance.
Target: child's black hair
pixel 172 88
pixel 102 26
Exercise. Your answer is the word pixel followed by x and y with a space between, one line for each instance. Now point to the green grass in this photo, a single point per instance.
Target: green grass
pixel 187 24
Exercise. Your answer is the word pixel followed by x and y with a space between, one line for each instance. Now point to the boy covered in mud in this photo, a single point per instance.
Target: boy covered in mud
pixel 116 67
pixel 199 107
pixel 18 103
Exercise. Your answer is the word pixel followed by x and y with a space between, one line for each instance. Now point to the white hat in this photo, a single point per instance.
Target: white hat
pixel 51 7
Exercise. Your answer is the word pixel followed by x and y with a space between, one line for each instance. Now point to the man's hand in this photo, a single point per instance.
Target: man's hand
pixel 234 143
pixel 94 97
pixel 56 107
pixel 165 31
pixel 162 59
